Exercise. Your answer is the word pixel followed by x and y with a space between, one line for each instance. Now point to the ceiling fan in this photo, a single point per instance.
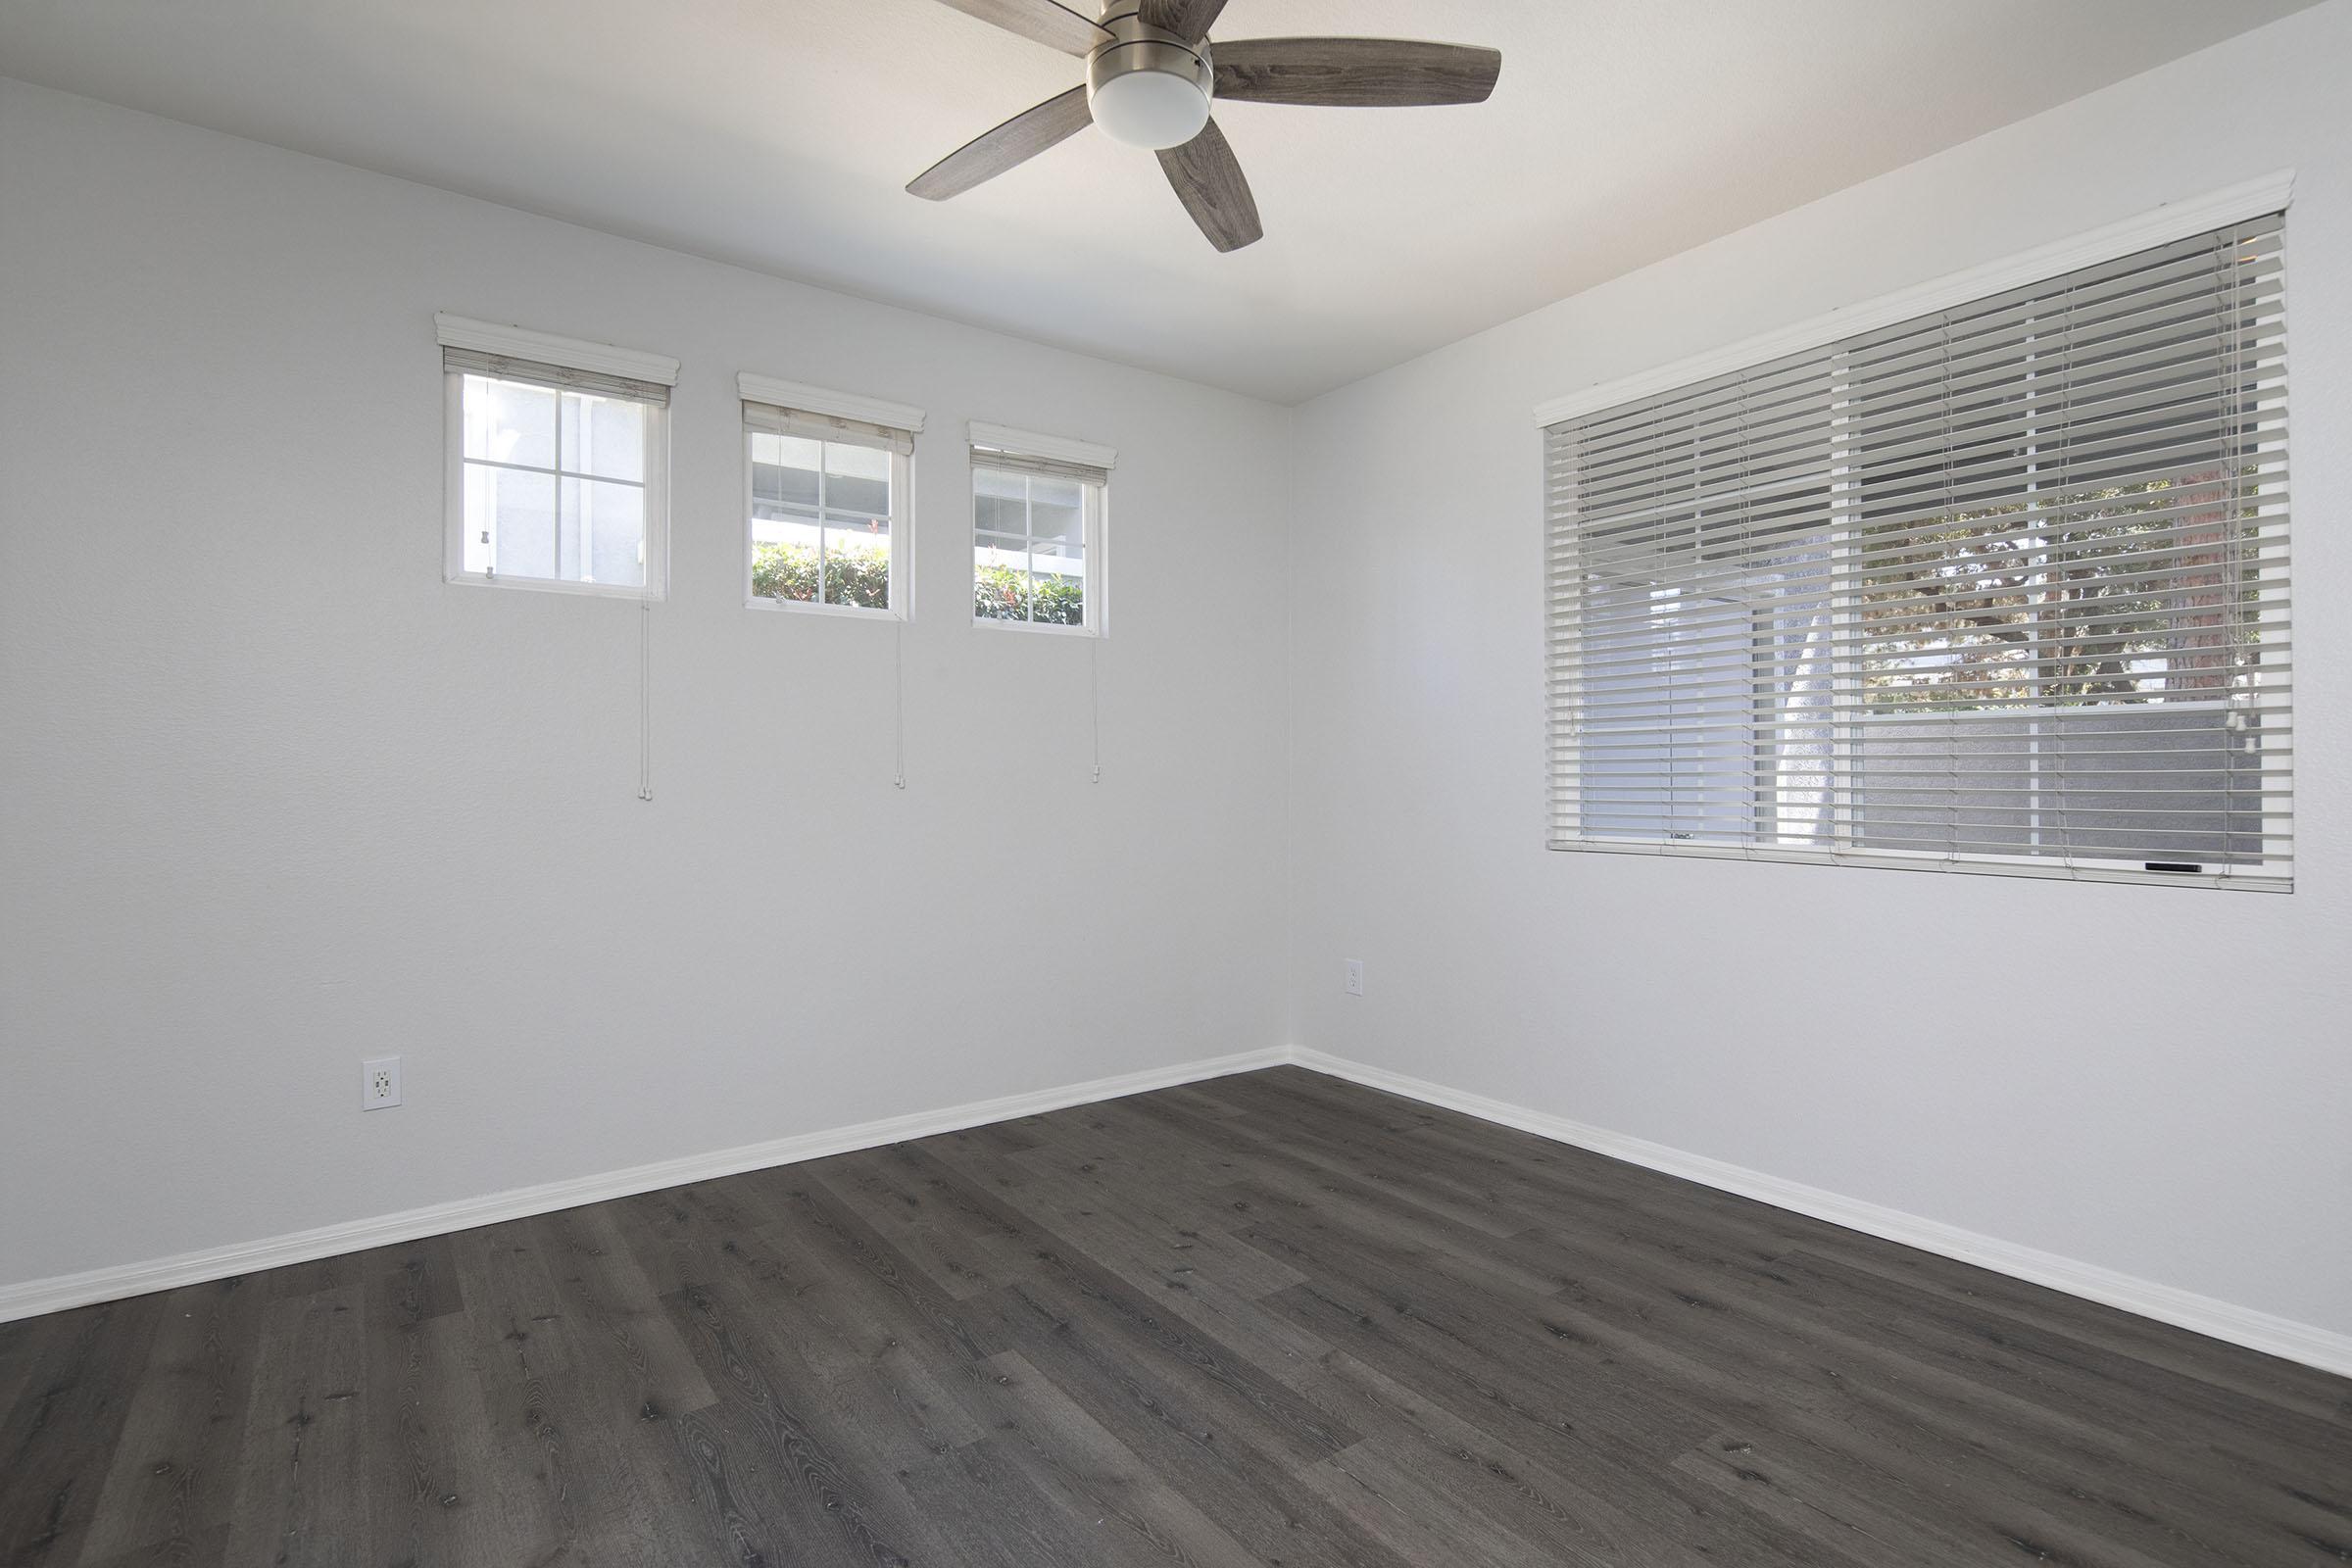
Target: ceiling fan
pixel 1150 74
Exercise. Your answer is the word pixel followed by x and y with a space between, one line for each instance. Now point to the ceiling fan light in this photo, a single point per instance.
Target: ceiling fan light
pixel 1150 108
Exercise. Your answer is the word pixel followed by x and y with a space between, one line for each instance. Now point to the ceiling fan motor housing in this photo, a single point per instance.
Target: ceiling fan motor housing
pixel 1148 86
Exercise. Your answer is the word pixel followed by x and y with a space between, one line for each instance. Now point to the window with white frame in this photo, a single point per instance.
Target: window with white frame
pixel 1997 588
pixel 826 476
pixel 556 460
pixel 1037 524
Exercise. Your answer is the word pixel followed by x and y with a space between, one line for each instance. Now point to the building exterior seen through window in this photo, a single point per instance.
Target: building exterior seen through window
pixel 553 483
pixel 821 516
pixel 1031 533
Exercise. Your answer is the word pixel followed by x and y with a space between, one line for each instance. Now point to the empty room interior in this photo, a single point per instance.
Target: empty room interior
pixel 1220 783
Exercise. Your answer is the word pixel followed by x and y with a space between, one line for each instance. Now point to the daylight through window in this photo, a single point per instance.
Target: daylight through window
pixel 2000 588
pixel 826 495
pixel 555 474
pixel 1037 540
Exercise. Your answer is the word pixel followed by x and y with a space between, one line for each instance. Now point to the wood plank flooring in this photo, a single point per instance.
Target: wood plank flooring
pixel 1272 1320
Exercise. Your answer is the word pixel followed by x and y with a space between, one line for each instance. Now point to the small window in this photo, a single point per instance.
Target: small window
pixel 826 478
pixel 556 464
pixel 1037 531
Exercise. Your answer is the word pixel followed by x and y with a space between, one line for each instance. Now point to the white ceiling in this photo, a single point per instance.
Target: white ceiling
pixel 779 133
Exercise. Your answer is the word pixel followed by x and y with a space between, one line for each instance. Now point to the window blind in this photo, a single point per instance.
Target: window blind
pixel 2001 588
pixel 538 373
pixel 996 446
pixel 1030 462
pixel 811 425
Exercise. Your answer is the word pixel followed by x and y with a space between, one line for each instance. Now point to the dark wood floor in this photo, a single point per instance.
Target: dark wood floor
pixel 1273 1320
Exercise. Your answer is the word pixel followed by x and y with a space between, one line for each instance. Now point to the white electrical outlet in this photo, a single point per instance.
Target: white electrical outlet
pixel 1356 977
pixel 380 1083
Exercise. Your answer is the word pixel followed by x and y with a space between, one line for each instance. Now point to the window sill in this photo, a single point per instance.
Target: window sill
pixel 805 606
pixel 550 586
pixel 1052 629
pixel 2248 880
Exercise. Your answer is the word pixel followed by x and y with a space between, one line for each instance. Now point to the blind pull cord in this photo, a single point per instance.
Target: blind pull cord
pixel 645 692
pixel 1094 696
pixel 898 681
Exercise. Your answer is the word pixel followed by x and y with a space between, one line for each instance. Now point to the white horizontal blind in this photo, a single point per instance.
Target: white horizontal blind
pixel 562 378
pixel 2002 588
pixel 838 428
pixel 1030 462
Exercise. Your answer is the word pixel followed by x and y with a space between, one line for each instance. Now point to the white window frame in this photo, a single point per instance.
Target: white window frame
pixel 572 354
pixel 821 403
pixel 2177 221
pixel 1001 448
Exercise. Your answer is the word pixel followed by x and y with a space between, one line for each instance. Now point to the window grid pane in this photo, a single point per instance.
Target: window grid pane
pixel 821 522
pixel 553 483
pixel 1030 537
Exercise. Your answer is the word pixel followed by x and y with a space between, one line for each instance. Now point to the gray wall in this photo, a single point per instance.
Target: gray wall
pixel 273 798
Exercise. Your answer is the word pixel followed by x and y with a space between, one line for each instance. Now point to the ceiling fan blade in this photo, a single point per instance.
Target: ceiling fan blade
pixel 1056 27
pixel 1354 73
pixel 1209 181
pixel 1014 142
pixel 1186 19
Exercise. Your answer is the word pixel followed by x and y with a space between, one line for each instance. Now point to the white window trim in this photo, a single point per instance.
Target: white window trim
pixel 1095 533
pixel 547 349
pixel 2235 204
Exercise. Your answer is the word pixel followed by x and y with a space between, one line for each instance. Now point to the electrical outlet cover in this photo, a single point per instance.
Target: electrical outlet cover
pixel 380 1083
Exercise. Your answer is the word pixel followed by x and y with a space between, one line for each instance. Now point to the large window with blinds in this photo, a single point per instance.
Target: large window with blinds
pixel 2000 588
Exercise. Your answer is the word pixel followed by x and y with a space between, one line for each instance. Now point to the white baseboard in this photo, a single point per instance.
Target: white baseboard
pixel 32 1298
pixel 2324 1348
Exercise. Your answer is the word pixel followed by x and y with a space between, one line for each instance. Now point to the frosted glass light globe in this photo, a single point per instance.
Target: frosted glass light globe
pixel 1150 108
